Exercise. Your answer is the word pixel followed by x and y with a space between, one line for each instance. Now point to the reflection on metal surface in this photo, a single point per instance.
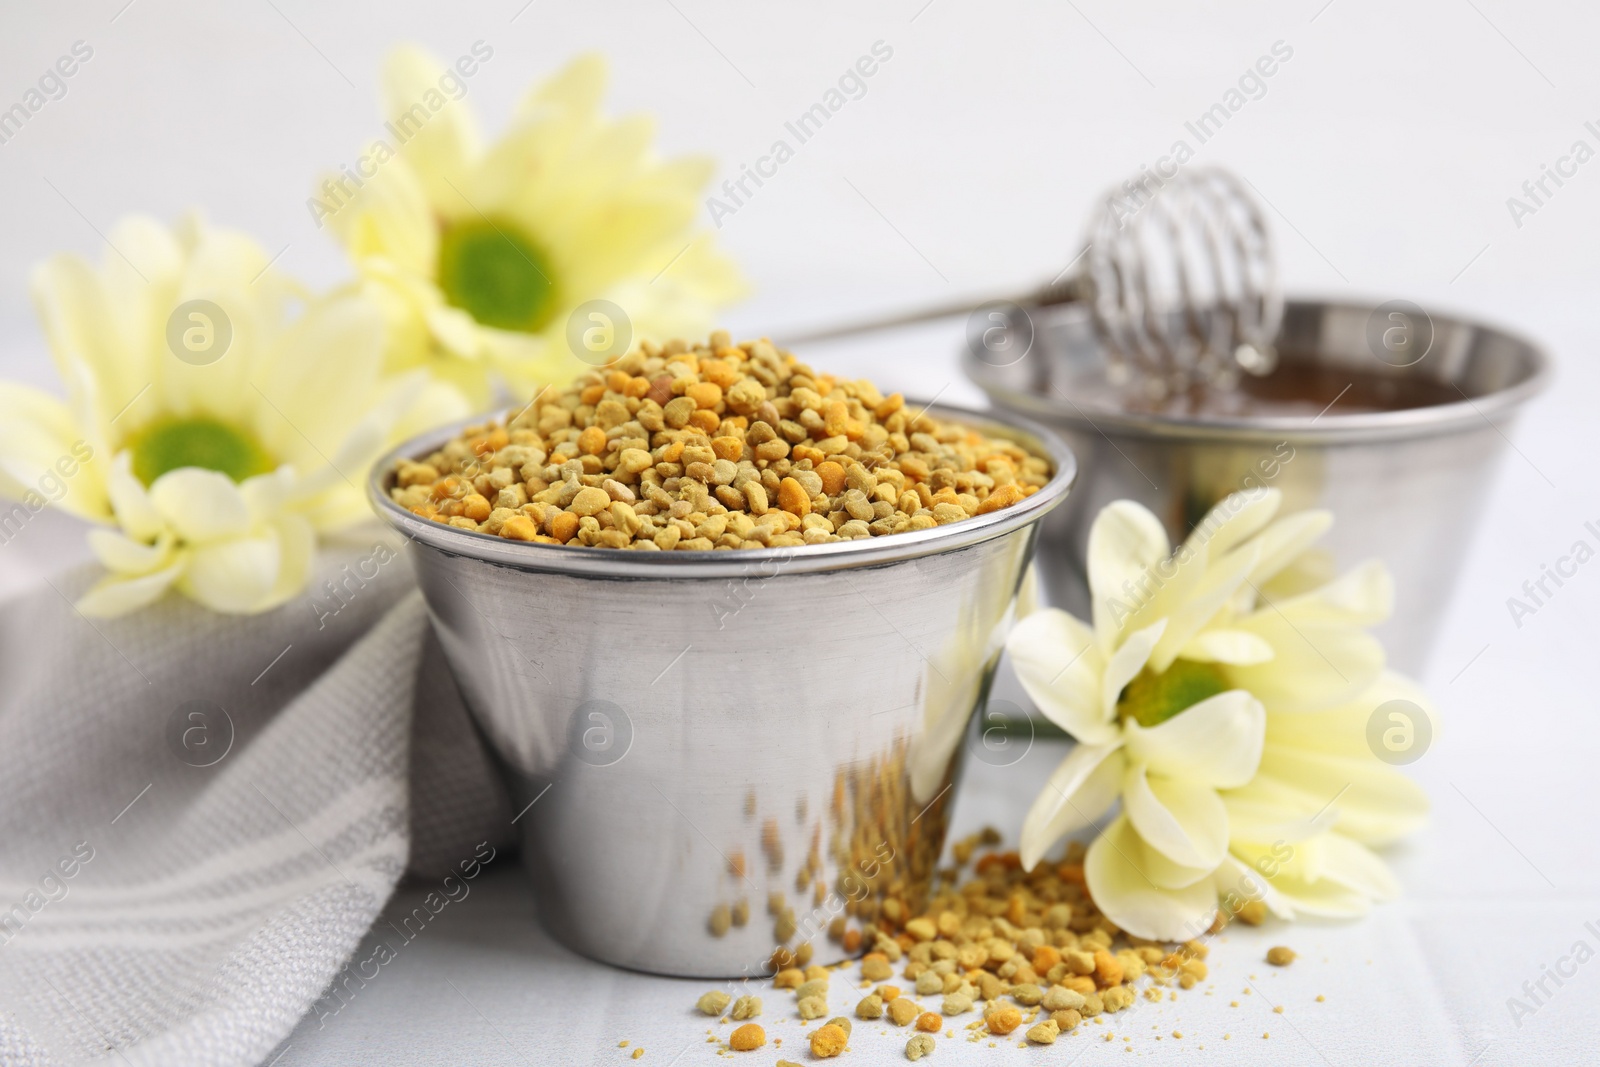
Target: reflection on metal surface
pixel 958 680
pixel 869 847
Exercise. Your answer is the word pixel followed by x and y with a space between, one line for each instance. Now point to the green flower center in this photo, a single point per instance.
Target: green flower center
pixel 1151 699
pixel 491 270
pixel 197 442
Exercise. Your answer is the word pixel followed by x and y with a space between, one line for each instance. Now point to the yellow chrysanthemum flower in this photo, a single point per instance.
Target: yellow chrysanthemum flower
pixel 486 258
pixel 216 419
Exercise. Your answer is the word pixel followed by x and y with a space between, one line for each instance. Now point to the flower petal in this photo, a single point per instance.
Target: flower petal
pixel 1217 742
pixel 1316 663
pixel 1233 520
pixel 1284 540
pixel 223 267
pixel 455 330
pixel 105 318
pixel 266 494
pixel 115 595
pixel 1354 866
pixel 1265 810
pixel 326 363
pixel 1362 596
pixel 1342 730
pixel 1165 874
pixel 1219 645
pixel 200 505
pixel 39 443
pixel 1058 664
pixel 297 543
pixel 130 501
pixel 1078 793
pixel 388 218
pixel 441 134
pixel 1125 664
pixel 1238 883
pixel 129 557
pixel 234 576
pixel 579 85
pixel 1113 871
pixel 1327 876
pixel 1125 541
pixel 1299 860
pixel 1184 821
pixel 1376 803
pixel 1322 899
pixel 1188 609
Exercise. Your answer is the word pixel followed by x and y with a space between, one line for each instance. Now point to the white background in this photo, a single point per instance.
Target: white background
pixel 1387 148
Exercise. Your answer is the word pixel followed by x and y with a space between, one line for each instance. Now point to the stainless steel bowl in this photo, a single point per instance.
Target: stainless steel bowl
pixel 1406 484
pixel 717 755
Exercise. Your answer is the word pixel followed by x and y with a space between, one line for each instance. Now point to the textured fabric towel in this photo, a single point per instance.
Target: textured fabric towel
pixel 201 815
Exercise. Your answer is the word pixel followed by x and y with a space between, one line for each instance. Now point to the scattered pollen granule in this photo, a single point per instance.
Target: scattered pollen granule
pixel 828 1041
pixel 1002 1020
pixel 747 1038
pixel 714 1002
pixel 1029 950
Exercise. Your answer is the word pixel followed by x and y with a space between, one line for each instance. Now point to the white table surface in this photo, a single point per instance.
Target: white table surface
pixel 1387 148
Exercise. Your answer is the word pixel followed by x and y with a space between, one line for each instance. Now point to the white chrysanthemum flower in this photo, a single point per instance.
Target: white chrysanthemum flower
pixel 1170 693
pixel 482 255
pixel 214 448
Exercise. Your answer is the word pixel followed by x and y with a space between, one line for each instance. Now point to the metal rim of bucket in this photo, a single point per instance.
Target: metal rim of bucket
pixel 731 563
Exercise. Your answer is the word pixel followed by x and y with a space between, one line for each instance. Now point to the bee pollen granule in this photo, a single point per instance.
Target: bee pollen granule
pixel 1002 1020
pixel 828 1041
pixel 748 1037
pixel 713 1003
pixel 1044 1033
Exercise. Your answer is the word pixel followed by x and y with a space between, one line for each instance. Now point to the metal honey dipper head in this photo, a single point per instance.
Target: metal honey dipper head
pixel 1181 281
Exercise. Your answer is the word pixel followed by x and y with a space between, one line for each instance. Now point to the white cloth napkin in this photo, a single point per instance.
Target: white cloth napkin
pixel 171 894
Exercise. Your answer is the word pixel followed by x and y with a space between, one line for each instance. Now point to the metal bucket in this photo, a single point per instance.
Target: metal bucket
pixel 1399 433
pixel 717 755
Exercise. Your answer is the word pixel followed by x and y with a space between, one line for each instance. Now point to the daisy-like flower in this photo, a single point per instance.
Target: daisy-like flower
pixel 482 255
pixel 1170 692
pixel 216 420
